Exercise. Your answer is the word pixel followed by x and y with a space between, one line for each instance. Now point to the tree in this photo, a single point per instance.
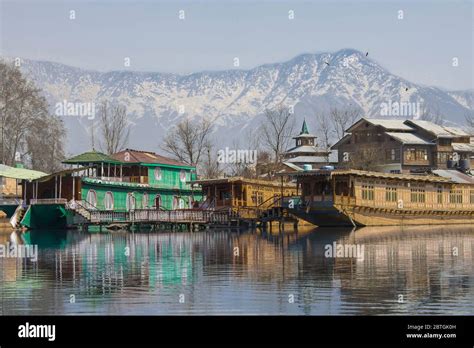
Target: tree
pixel 28 132
pixel 341 119
pixel 324 131
pixel 188 141
pixel 114 127
pixel 209 167
pixel 277 130
pixel 365 159
pixel 469 118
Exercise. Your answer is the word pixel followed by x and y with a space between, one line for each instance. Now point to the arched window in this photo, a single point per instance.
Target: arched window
pixel 175 202
pixel 157 201
pixel 182 176
pixel 130 201
pixel 109 201
pixel 92 198
pixel 145 200
pixel 157 173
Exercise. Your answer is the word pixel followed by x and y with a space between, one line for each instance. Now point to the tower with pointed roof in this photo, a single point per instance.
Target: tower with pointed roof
pixel 306 150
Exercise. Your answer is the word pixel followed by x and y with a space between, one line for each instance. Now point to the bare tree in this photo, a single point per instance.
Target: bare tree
pixel 210 167
pixel 28 132
pixel 365 159
pixel 114 127
pixel 341 119
pixel 324 131
pixel 187 141
pixel 277 130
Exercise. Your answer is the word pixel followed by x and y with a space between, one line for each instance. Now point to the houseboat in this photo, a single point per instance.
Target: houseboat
pixel 245 197
pixel 365 198
pixel 129 180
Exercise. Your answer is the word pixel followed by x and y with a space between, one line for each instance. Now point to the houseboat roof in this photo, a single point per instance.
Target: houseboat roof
pixel 239 179
pixel 146 157
pixel 437 130
pixel 370 174
pixel 19 173
pixel 455 176
pixel 463 147
pixel 63 172
pixel 91 157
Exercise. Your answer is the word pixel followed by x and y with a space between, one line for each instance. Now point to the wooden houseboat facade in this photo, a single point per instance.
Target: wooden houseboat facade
pixel 362 198
pixel 129 180
pixel 244 196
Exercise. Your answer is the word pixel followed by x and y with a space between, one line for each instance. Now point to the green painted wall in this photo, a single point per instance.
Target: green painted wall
pixel 120 195
pixel 170 177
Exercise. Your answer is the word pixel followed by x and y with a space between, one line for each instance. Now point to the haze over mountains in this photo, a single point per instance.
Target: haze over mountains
pixel 237 99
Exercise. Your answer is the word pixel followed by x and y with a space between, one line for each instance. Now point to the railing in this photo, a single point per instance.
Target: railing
pixel 35 201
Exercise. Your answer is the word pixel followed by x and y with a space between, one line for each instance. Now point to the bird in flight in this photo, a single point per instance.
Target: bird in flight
pixel 366 54
pixel 406 89
pixel 327 63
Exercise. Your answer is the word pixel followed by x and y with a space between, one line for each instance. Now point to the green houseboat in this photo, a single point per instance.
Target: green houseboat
pixel 129 180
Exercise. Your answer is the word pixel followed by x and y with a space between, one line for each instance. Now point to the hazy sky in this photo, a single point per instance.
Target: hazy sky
pixel 420 47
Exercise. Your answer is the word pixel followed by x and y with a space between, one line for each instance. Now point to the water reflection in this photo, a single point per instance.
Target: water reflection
pixel 416 270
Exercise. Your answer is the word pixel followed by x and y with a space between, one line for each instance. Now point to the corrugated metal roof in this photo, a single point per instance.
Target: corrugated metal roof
pixel 293 166
pixel 305 148
pixel 409 138
pixel 388 124
pixel 455 176
pixel 20 173
pixel 307 159
pixel 438 130
pixel 463 147
pixel 147 157
pixel 90 157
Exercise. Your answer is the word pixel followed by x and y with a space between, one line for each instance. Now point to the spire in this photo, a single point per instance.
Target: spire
pixel 304 129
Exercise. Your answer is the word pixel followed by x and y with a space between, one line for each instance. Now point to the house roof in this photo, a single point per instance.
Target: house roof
pixel 240 179
pixel 340 141
pixel 306 149
pixel 90 157
pixel 438 130
pixel 463 147
pixel 146 157
pixel 454 175
pixel 307 159
pixel 388 124
pixel 20 173
pixel 409 138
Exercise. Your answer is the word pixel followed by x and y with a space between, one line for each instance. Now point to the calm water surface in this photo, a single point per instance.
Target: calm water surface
pixel 231 272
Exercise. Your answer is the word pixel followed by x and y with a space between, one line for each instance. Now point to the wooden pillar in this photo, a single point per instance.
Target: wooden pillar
pixel 120 172
pixel 102 169
pixel 60 185
pixel 55 186
pixel 73 188
pixel 108 171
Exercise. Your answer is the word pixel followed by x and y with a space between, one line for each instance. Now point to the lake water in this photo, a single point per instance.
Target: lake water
pixel 419 270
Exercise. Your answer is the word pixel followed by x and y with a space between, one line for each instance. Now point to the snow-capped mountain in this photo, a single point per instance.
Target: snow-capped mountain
pixel 236 99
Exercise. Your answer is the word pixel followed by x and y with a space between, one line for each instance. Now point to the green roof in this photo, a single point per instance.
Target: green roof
pixel 20 173
pixel 304 129
pixel 91 157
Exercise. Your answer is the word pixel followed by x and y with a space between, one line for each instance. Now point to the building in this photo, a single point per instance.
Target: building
pixel 242 194
pixel 305 152
pixel 405 145
pixel 127 180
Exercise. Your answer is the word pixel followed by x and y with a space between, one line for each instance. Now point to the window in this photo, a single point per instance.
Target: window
pixel 416 154
pixel 417 195
pixel 109 201
pixel 391 194
pixel 157 202
pixel 157 173
pixel 130 203
pixel 439 192
pixel 455 196
pixel 92 198
pixel 182 176
pixel 145 200
pixel 368 192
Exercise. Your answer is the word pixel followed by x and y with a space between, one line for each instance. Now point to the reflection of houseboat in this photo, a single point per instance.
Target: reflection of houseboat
pixel 242 195
pixel 352 197
pixel 129 180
